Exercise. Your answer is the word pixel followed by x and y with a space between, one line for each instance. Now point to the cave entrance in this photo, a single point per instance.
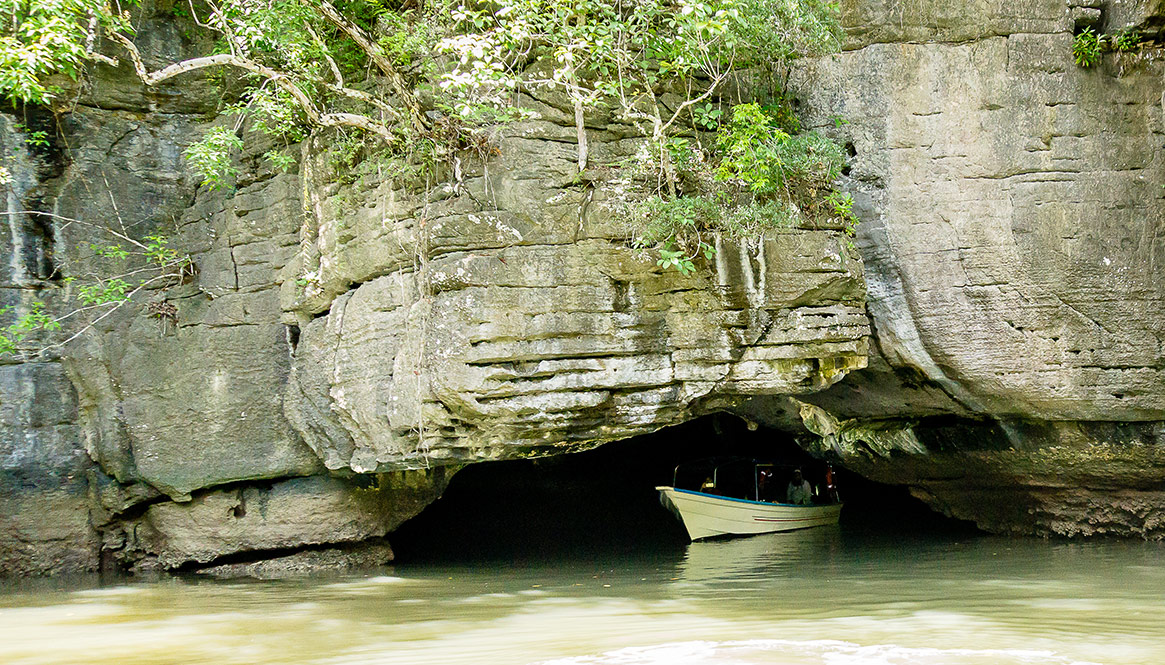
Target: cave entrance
pixel 604 502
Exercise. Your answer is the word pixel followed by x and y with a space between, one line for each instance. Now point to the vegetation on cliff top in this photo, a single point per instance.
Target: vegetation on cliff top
pixel 418 84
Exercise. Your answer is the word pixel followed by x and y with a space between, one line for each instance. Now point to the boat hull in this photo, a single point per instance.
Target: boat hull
pixel 708 515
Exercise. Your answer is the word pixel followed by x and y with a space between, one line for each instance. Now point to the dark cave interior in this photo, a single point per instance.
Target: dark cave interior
pixel 604 501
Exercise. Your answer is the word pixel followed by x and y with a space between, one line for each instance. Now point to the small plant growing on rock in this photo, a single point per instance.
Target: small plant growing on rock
pixel 211 156
pixel 1086 48
pixel 1126 40
pixel 131 267
pixel 843 206
pixel 758 178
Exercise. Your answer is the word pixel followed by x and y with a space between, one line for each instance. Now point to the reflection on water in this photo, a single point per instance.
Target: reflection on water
pixel 817 596
pixel 764 557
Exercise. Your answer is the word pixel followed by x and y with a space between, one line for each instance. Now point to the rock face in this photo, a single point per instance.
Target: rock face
pixel 347 341
pixel 142 442
pixel 283 517
pixel 525 331
pixel 1013 238
pixel 386 336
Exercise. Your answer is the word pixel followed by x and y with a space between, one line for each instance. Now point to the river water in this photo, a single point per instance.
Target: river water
pixel 822 596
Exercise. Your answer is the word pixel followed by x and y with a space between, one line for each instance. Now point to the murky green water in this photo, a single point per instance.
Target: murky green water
pixel 821 596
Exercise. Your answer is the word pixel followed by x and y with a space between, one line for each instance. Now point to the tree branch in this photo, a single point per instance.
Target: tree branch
pixel 278 78
pixel 374 52
pixel 324 50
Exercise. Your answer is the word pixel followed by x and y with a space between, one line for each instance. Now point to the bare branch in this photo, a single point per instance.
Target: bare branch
pixel 71 220
pixel 117 304
pixel 354 120
pixel 696 100
pixel 361 96
pixel 324 49
pixel 376 54
pixel 276 77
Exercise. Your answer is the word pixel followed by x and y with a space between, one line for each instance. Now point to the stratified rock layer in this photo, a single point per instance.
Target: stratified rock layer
pixel 1045 478
pixel 524 350
pixel 286 516
pixel 1013 237
pixel 122 447
pixel 1011 234
pixel 506 315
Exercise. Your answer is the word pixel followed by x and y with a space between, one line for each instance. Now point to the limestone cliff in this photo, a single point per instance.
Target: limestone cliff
pixel 1014 242
pixel 345 345
pixel 509 317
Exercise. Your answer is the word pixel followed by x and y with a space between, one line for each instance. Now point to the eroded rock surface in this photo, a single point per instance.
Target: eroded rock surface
pixel 1012 241
pixel 279 519
pixel 1007 476
pixel 108 445
pixel 535 350
pixel 1013 238
pixel 506 315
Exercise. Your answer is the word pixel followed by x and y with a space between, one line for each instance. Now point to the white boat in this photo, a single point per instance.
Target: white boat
pixel 717 509
pixel 708 515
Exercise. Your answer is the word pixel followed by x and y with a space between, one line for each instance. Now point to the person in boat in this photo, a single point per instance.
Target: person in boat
pixel 767 486
pixel 799 493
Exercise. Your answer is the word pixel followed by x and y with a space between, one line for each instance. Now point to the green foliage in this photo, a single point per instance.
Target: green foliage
pixel 211 156
pixel 1086 48
pixel 109 251
pixel 1088 45
pixel 842 205
pixel 748 147
pixel 153 262
pixel 33 139
pixel 680 220
pixel 678 259
pixel 406 39
pixel 783 116
pixel 158 250
pixel 781 30
pixel 280 160
pixel 39 38
pixel 666 219
pixel 1126 40
pixel 271 31
pixel 707 116
pixel 604 51
pixel 768 160
pixel 105 291
pixel 304 69
pixel 808 161
pixel 35 319
pixel 759 178
pixel 273 113
pixel 749 220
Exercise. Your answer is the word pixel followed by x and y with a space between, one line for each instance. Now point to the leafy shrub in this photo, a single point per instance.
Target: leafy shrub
pixel 671 219
pixel 843 207
pixel 1126 40
pixel 781 111
pixel 750 220
pixel 809 160
pixel 211 156
pixel 1086 48
pixel 768 160
pixel 748 146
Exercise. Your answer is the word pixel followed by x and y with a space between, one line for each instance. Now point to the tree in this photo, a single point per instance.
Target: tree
pixel 431 79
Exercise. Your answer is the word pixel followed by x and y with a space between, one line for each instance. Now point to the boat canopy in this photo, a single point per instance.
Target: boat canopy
pixel 749 478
